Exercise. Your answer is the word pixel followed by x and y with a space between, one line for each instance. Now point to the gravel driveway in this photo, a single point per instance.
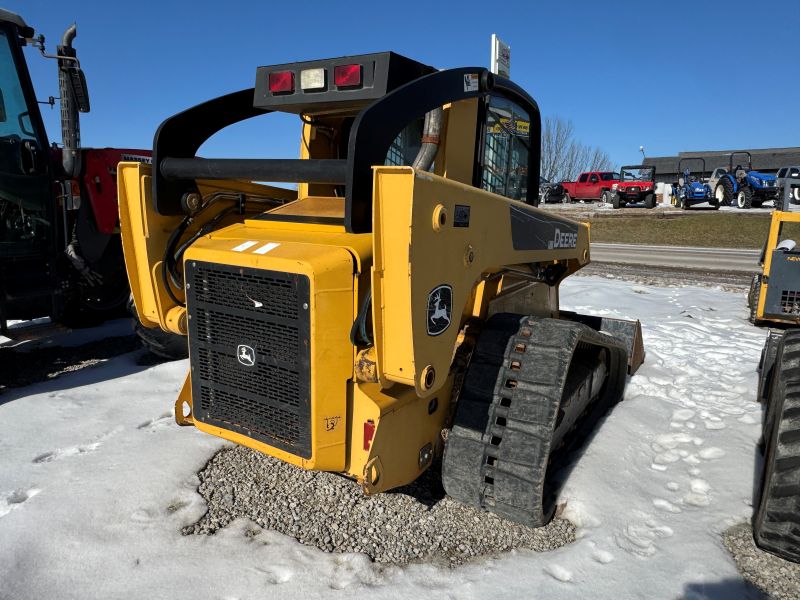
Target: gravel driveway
pixel 411 524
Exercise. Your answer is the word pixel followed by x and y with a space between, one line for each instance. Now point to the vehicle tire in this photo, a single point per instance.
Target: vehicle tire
pixel 776 522
pixel 650 201
pixel 615 201
pixel 724 192
pixel 744 197
pixel 796 194
pixel 753 297
pixel 90 305
pixel 605 198
pixel 163 344
pixel 565 199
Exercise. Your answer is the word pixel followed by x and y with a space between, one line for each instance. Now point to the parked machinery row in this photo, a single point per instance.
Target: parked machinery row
pixel 735 185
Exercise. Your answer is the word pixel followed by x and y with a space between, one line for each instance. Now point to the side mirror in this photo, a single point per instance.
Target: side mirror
pixel 77 83
pixel 3 117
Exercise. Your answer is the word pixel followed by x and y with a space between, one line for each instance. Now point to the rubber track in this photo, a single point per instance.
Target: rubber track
pixel 498 451
pixel 776 526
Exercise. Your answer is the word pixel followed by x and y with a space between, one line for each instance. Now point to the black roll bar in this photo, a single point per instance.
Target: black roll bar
pixel 269 169
pixel 178 138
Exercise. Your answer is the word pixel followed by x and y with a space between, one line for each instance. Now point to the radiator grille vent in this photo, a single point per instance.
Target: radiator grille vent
pixel 249 339
pixel 790 302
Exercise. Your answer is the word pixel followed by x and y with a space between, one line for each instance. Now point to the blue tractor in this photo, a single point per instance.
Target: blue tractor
pixel 745 187
pixel 691 189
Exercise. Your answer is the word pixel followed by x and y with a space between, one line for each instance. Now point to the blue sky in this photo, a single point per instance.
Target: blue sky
pixel 668 75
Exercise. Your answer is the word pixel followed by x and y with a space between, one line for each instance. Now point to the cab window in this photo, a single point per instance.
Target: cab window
pixel 506 145
pixel 406 145
pixel 583 178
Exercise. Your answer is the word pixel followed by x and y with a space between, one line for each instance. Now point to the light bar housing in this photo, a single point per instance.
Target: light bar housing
pixel 377 75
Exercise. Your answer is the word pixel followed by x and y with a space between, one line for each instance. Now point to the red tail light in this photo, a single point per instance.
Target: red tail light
pixel 281 81
pixel 347 75
pixel 369 433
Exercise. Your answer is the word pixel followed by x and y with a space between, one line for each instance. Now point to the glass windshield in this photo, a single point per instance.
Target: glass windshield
pixel 15 120
pixel 608 176
pixel 637 173
pixel 505 151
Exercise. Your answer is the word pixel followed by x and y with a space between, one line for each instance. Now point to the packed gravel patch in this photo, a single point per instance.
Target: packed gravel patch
pixel 777 577
pixel 411 524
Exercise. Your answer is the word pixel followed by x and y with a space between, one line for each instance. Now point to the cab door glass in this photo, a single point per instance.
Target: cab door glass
pixel 506 145
pixel 406 145
pixel 23 190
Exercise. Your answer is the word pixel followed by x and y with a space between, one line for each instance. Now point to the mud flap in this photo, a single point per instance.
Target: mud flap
pixel 628 332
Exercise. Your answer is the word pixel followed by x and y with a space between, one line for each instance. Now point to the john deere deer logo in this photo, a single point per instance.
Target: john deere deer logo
pixel 246 355
pixel 440 309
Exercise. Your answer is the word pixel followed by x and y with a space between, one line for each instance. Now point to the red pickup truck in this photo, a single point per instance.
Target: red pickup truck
pixel 592 185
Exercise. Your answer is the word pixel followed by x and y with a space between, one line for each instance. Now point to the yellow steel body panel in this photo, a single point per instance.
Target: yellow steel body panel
pixel 145 234
pixel 330 270
pixel 773 238
pixel 405 425
pixel 412 257
pixel 458 139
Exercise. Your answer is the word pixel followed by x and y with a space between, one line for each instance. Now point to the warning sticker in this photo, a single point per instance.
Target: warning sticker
pixel 471 82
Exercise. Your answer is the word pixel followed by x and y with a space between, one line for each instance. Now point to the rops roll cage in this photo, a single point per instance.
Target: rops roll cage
pixel 375 128
pixel 689 159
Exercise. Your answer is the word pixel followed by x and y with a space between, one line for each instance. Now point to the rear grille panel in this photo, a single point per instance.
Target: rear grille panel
pixel 266 312
pixel 790 302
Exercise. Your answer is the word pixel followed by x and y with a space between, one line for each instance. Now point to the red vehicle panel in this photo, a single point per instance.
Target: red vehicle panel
pixel 99 181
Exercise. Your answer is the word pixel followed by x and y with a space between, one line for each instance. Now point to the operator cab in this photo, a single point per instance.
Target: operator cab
pixel 27 213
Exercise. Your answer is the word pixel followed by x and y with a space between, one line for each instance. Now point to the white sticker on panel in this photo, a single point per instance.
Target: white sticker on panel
pixel 266 248
pixel 244 246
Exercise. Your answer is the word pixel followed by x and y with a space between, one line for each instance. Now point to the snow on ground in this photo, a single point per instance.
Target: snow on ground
pixel 96 481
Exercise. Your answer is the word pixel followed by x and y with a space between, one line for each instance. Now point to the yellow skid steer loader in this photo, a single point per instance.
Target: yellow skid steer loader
pixel 400 306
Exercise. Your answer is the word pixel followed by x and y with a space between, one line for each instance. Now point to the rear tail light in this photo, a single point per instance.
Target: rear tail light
pixel 312 79
pixel 281 81
pixel 347 75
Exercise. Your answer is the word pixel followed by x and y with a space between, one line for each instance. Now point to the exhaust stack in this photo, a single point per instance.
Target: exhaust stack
pixel 70 123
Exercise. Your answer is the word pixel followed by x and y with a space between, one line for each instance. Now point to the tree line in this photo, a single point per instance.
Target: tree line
pixel 564 157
